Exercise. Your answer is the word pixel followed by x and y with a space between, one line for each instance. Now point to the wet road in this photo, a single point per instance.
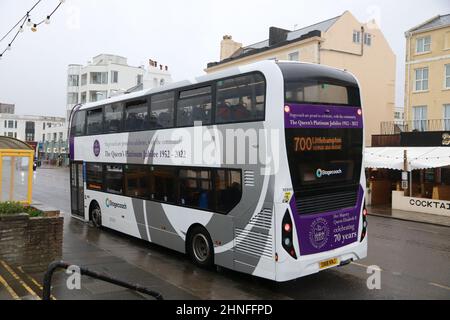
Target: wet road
pixel 414 259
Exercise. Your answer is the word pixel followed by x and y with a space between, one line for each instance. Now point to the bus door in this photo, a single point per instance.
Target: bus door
pixel 77 189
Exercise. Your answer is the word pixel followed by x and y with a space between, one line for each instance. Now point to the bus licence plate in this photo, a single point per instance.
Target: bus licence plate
pixel 328 263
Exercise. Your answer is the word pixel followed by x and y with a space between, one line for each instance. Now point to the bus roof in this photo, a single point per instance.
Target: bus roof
pixel 304 67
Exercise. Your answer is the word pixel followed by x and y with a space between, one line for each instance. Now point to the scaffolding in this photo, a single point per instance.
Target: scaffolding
pixel 14 154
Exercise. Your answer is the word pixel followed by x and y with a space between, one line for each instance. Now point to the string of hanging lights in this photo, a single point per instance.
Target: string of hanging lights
pixel 26 19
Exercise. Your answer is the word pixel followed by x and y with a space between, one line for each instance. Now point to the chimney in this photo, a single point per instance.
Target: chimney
pixel 228 47
pixel 277 35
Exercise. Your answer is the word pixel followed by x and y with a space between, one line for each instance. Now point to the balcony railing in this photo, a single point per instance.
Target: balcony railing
pixel 395 127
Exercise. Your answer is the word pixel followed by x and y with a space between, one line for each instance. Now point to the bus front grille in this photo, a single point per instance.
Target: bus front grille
pixel 326 202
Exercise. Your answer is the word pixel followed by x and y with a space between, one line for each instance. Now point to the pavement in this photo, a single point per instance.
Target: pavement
pixel 414 259
pixel 387 212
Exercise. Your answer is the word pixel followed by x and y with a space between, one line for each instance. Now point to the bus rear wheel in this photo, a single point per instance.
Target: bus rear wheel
pixel 96 215
pixel 200 247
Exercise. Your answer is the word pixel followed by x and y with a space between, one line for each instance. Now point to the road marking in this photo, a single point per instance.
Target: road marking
pixel 439 285
pixel 9 289
pixel 36 283
pixel 364 266
pixel 15 276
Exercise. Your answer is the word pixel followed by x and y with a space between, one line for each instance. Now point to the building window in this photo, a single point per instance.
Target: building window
pixel 60 136
pixel 357 36
pixel 15 135
pixel 43 126
pixel 423 44
pixel 84 79
pixel 114 76
pixel 10 124
pixel 397 115
pixel 367 39
pixel 194 106
pixel 15 124
pixel 420 118
pixel 83 97
pixel 446 117
pixel 139 79
pixel 10 134
pixel 293 56
pixel 72 98
pixel 29 131
pixel 99 77
pixel 447 76
pixel 421 79
pixel 162 82
pixel 73 80
pixel 97 95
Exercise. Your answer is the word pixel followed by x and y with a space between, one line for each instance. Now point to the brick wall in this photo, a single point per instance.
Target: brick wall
pixel 31 243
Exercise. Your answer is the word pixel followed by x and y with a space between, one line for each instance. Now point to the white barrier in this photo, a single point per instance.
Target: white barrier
pixel 438 207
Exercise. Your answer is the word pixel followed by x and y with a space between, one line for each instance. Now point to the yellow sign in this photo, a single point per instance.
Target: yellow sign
pixel 287 197
pixel 328 263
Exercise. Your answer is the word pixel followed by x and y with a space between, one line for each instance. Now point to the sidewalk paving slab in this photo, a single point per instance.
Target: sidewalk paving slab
pixel 387 212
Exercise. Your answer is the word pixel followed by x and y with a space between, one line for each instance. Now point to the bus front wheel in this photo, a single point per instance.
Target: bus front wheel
pixel 96 215
pixel 200 247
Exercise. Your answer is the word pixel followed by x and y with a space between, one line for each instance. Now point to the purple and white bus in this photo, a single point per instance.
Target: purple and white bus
pixel 257 168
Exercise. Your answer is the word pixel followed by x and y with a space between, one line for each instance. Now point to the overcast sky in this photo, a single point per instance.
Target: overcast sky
pixel 183 34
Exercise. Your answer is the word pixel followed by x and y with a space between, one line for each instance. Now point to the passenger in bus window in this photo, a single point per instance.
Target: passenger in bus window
pixel 223 112
pixel 240 111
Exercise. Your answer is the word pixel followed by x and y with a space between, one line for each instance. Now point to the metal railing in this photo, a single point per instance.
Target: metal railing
pixel 46 292
pixel 396 127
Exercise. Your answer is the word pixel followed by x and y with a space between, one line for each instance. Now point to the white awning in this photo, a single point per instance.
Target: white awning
pixel 417 157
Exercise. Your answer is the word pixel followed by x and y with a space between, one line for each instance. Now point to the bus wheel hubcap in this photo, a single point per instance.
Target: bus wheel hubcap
pixel 201 247
pixel 96 216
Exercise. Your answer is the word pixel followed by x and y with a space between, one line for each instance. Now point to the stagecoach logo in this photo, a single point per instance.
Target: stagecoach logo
pixel 113 204
pixel 96 148
pixel 320 173
pixel 319 232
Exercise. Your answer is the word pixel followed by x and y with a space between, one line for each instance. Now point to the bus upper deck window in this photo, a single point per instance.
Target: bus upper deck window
pixel 78 123
pixel 240 99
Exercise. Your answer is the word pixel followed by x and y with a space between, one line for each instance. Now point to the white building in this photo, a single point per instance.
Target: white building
pixel 54 144
pixel 109 75
pixel 27 128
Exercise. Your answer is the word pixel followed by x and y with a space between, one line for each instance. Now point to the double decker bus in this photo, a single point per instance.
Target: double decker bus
pixel 257 168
